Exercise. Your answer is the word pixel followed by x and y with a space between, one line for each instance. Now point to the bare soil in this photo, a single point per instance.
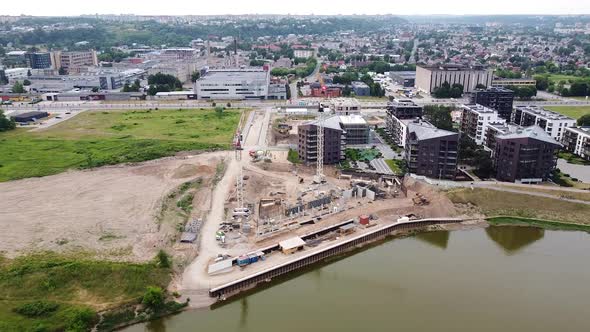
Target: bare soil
pixel 110 212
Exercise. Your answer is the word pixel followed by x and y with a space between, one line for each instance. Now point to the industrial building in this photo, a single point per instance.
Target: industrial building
pixel 429 78
pixel 407 79
pixel 102 78
pixel 339 131
pixel 577 141
pixel 75 61
pixel 499 99
pixel 476 119
pixel 233 84
pixel 526 155
pixel 519 82
pixel 30 116
pixel 552 122
pixel 430 151
pixel 360 88
pixel 39 60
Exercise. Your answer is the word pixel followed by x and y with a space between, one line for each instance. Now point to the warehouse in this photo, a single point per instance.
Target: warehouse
pixel 233 84
pixel 291 245
pixel 30 116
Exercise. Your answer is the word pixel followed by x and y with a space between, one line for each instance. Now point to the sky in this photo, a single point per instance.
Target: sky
pixel 318 7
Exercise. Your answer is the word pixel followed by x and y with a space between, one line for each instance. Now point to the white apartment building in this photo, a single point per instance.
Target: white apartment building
pixel 553 123
pixel 476 119
pixel 577 141
pixel 233 84
pixel 16 74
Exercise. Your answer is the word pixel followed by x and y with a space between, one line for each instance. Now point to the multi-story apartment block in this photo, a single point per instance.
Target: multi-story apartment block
pixel 430 151
pixel 475 121
pixel 526 155
pixel 577 141
pixel 39 60
pixel 499 99
pixel 339 131
pixel 429 78
pixel 399 114
pixel 552 122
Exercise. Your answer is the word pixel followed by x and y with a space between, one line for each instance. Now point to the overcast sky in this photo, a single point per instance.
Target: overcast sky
pixel 205 7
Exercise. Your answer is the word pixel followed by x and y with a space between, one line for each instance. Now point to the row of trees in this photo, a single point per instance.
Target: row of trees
pixel 523 92
pixel 132 87
pixel 448 91
pixel 310 65
pixel 163 83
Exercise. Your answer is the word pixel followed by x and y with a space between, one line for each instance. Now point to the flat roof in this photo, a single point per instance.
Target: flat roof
pixel 219 266
pixel 404 74
pixel 292 243
pixel 535 132
pixel 480 109
pixel 425 130
pixel 353 119
pixel 541 112
pixel 234 74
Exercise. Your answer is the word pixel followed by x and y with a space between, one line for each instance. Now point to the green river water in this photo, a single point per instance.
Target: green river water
pixel 502 278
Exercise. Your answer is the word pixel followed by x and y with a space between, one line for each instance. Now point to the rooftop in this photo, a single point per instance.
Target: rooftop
pixel 480 109
pixel 541 112
pixel 425 130
pixel 292 243
pixel 453 67
pixel 580 130
pixel 535 132
pixel 235 74
pixel 353 119
pixel 402 103
pixel 404 74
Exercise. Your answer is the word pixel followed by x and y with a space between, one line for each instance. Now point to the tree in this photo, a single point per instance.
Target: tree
pixel 26 82
pixel 153 297
pixel 288 90
pixel 95 89
pixel 219 110
pixel 18 87
pixel 62 71
pixel 443 91
pixel 195 76
pixel 6 124
pixel 542 82
pixel 584 120
pixel 163 260
pixel 579 89
pixel 480 86
pixel 346 91
pixel 439 116
pixel 29 74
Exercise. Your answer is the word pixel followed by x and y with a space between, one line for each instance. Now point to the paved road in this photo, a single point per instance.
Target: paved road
pixel 579 172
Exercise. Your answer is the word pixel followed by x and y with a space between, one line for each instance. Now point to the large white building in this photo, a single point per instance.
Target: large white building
pixel 16 74
pixel 233 84
pixel 429 78
pixel 552 122
pixel 476 119
pixel 577 141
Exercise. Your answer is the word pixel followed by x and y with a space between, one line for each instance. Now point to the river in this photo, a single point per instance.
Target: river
pixel 506 278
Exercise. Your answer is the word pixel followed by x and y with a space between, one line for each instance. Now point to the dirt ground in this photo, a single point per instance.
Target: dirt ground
pixel 110 212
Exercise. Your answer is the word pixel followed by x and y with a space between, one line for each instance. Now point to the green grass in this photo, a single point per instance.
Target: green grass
pixel 362 154
pixel 293 157
pixel 396 166
pixel 95 139
pixel 547 224
pixel 558 77
pixel 500 203
pixel 572 158
pixel 75 284
pixel 575 112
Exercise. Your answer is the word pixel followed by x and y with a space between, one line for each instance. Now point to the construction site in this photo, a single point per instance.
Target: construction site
pixel 273 211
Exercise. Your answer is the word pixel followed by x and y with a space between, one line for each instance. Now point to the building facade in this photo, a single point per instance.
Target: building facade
pixel 577 141
pixel 526 155
pixel 399 114
pixel 39 60
pixel 429 78
pixel 552 122
pixel 360 88
pixel 234 84
pixel 475 122
pixel 430 151
pixel 356 129
pixel 519 82
pixel 407 79
pixel 499 99
pixel 74 62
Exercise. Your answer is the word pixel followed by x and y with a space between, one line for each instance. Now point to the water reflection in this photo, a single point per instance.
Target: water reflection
pixel 439 239
pixel 514 238
pixel 243 311
pixel 158 325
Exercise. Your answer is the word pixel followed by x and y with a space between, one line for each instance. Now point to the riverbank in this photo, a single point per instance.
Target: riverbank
pixel 546 224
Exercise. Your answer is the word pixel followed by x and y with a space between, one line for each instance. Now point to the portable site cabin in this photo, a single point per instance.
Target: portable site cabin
pixel 291 245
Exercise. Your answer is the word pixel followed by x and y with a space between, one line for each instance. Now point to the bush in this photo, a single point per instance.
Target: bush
pixel 80 319
pixel 153 298
pixel 163 259
pixel 36 309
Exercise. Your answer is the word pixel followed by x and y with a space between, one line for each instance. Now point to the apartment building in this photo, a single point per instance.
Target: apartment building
pixel 345 106
pixel 499 99
pixel 399 114
pixel 339 132
pixel 429 78
pixel 234 84
pixel 577 141
pixel 526 155
pixel 39 60
pixel 519 82
pixel 476 119
pixel 430 151
pixel 552 122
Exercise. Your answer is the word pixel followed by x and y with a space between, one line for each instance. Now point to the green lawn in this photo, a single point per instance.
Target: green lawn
pixel 575 112
pixel 76 285
pixel 395 165
pixel 557 77
pixel 99 138
pixel 538 223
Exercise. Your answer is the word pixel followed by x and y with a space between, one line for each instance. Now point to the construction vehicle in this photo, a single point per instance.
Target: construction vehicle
pixel 419 199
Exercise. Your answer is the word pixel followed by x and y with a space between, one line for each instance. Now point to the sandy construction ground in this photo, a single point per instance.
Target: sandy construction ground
pixel 110 211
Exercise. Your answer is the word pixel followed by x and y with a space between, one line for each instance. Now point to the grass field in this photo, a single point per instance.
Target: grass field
pixel 396 166
pixel 575 112
pixel 547 224
pixel 498 203
pixel 94 139
pixel 557 78
pixel 78 286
